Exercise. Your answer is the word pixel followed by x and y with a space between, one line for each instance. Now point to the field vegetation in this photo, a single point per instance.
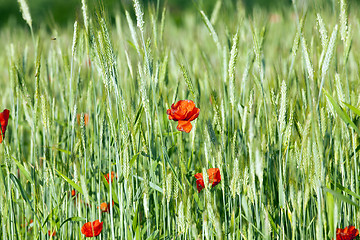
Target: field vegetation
pixel 89 136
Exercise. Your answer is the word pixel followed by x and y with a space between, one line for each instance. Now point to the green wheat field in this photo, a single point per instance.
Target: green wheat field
pixel 279 99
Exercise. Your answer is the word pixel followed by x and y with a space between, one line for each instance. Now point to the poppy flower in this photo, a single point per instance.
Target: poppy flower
pixel 107 176
pixel 73 193
pixel 52 234
pixel 86 118
pixel 184 111
pixel 4 117
pixel 105 207
pixel 214 178
pixel 348 233
pixel 92 229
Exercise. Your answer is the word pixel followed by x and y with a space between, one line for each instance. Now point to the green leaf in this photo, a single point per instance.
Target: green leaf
pixel 232 221
pixel 151 184
pixel 341 197
pixel 60 150
pixel 347 191
pixel 172 168
pixel 330 209
pixel 25 173
pixel 153 235
pixel 133 159
pixel 73 219
pixel 135 219
pixel 137 233
pixel 71 182
pixel 341 113
pixel 54 209
pixel 197 200
pixel 23 193
pixel 354 109
pixel 356 150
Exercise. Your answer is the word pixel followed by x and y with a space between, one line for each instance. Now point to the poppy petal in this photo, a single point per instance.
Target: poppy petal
pixel 92 229
pixel 194 114
pixel 4 117
pixel 183 111
pixel 214 176
pixel 199 181
pixel 348 233
pixel 184 126
pixel 186 109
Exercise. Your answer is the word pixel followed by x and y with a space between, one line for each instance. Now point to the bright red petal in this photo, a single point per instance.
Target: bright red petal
pixel 183 110
pixel 107 176
pixel 214 176
pixel 52 234
pixel 184 126
pixel 4 117
pixel 194 114
pixel 92 229
pixel 348 233
pixel 199 181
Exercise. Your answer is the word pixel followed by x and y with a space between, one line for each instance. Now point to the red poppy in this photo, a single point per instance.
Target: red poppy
pixel 52 234
pixel 92 229
pixel 105 207
pixel 214 178
pixel 4 117
pixel 107 176
pixel 348 233
pixel 183 111
pixel 86 118
pixel 74 195
pixel 73 192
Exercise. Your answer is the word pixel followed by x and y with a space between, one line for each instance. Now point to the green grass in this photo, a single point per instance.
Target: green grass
pixel 278 98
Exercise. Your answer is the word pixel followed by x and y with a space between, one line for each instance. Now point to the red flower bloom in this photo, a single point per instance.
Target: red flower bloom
pixel 214 178
pixel 73 192
pixel 86 118
pixel 92 229
pixel 105 207
pixel 4 117
pixel 183 111
pixel 348 233
pixel 107 176
pixel 52 234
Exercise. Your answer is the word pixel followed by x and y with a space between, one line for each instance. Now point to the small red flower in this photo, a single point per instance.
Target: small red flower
pixel 4 117
pixel 52 234
pixel 348 233
pixel 73 193
pixel 214 178
pixel 183 111
pixel 86 118
pixel 92 229
pixel 107 176
pixel 105 207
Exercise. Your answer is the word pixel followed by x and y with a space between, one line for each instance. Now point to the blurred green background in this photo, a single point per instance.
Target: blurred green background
pixel 60 12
